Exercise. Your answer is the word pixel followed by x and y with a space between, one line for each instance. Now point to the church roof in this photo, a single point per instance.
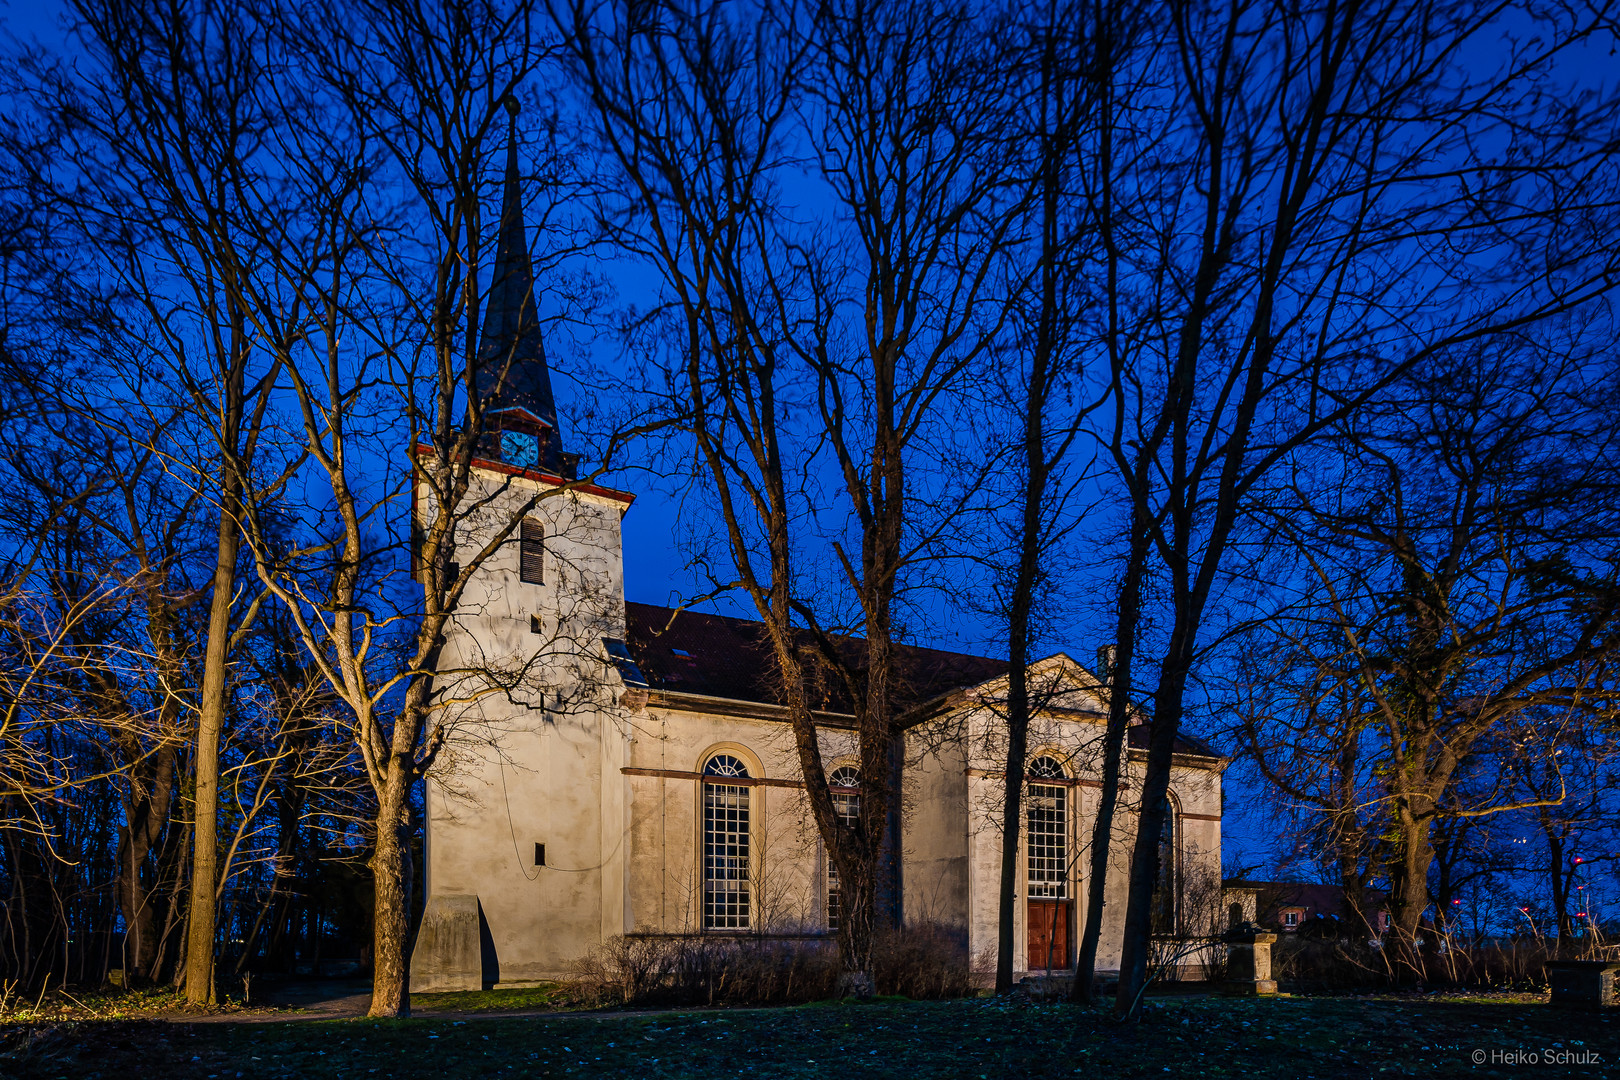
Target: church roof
pixel 1136 737
pixel 693 652
pixel 512 371
pixel 717 656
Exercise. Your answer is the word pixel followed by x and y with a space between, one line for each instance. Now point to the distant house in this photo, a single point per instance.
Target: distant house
pixel 1301 907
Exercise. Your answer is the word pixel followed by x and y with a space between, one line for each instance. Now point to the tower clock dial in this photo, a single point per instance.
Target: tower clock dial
pixel 520 449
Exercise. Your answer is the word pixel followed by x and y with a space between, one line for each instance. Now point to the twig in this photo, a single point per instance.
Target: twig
pixel 76 1001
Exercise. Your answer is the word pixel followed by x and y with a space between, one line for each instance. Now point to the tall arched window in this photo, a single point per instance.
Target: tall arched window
pixel 1046 816
pixel 1166 902
pixel 726 849
pixel 1048 809
pixel 846 799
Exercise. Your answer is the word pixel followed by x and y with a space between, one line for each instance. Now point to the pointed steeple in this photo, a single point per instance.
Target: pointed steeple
pixel 513 377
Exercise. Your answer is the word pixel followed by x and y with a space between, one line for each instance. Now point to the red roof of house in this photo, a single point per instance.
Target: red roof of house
pixel 1312 898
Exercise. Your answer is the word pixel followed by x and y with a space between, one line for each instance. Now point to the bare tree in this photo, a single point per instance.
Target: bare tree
pixel 793 347
pixel 403 111
pixel 159 129
pixel 1463 600
pixel 1052 306
pixel 933 210
pixel 1274 255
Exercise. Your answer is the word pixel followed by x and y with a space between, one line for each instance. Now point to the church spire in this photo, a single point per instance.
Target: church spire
pixel 513 378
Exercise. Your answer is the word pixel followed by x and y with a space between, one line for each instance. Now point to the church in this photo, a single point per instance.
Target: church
pixel 619 768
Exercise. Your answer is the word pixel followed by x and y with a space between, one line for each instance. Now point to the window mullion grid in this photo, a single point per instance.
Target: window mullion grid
pixel 726 856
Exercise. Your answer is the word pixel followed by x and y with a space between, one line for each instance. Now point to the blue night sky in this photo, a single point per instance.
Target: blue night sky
pixel 655 570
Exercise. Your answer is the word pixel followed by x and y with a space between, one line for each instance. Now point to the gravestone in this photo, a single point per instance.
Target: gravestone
pixel 1583 984
pixel 1248 961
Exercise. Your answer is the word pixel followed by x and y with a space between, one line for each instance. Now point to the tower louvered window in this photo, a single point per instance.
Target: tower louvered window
pixel 531 551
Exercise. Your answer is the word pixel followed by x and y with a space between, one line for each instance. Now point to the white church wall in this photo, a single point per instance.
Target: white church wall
pixel 536 747
pixel 1074 739
pixel 667 756
pixel 1197 793
pixel 1074 736
pixel 935 845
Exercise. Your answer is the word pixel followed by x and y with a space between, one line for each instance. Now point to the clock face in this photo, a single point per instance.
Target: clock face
pixel 520 449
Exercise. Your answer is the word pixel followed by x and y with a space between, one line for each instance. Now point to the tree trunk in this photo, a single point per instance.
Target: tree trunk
pixel 390 866
pixel 857 932
pixel 1409 885
pixel 1012 795
pixel 1166 722
pixel 1557 879
pixel 1113 755
pixel 146 815
pixel 210 723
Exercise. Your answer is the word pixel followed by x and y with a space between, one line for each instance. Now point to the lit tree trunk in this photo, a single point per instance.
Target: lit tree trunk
pixel 210 724
pixel 1411 876
pixel 390 867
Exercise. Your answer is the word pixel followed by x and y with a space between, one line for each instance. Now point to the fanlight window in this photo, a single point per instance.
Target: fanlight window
pixel 847 805
pixel 726 848
pixel 1047 767
pixel 1048 815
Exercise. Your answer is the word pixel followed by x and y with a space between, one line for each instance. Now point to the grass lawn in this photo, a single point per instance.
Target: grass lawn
pixel 1284 1038
pixel 545 996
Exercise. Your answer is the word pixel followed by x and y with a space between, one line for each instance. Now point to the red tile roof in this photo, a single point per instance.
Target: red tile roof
pixel 1314 899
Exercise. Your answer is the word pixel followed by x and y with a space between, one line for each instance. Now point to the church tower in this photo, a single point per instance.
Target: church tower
pixel 526 808
pixel 514 380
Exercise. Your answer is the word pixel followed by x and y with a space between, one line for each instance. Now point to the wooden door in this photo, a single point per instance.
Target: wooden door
pixel 1049 935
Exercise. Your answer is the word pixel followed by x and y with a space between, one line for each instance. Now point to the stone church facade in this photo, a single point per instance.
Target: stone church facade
pixel 617 768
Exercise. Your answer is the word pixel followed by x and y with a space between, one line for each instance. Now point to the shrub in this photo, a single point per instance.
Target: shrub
pixel 925 961
pixel 1303 964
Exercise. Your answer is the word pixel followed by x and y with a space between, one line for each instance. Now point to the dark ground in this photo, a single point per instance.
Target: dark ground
pixel 983 1038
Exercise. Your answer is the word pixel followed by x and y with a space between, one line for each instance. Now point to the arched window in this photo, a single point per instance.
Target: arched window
pixel 1047 806
pixel 1047 767
pixel 846 799
pixel 1166 901
pixel 726 849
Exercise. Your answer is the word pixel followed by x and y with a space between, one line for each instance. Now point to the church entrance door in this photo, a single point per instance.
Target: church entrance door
pixel 1049 935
